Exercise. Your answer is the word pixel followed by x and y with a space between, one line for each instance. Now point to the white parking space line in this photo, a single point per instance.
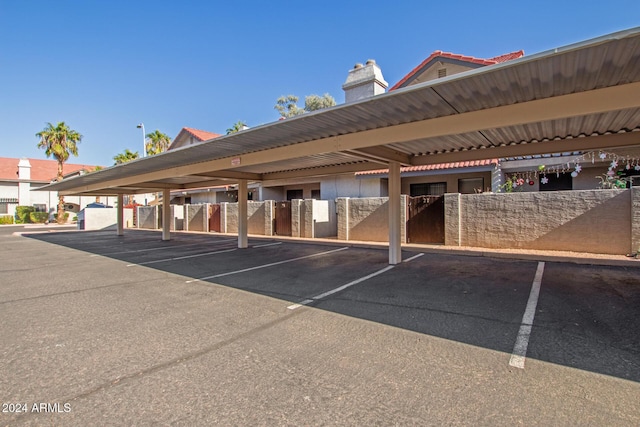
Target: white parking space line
pixel 519 354
pixel 413 257
pixel 164 248
pixel 343 287
pixel 182 257
pixel 267 265
pixel 267 244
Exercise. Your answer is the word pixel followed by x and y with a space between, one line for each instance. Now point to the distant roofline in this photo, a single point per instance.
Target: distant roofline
pixel 457 58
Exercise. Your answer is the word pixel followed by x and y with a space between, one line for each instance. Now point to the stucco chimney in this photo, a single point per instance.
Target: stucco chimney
pixel 24 184
pixel 364 81
pixel 24 169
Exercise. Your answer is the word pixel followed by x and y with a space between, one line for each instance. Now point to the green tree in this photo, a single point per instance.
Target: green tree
pixel 157 142
pixel 287 105
pixel 237 127
pixel 60 142
pixel 124 157
pixel 315 102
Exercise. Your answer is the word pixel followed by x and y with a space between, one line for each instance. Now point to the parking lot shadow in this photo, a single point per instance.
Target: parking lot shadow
pixel 587 317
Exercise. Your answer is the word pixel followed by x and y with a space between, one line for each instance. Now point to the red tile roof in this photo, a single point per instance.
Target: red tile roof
pixel 202 135
pixel 437 166
pixel 448 55
pixel 41 170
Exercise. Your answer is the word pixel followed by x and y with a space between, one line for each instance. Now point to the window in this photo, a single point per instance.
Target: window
pixel 294 194
pixel 315 194
pixel 556 182
pixel 428 189
pixel 4 208
pixel 442 72
pixel 41 207
pixel 470 185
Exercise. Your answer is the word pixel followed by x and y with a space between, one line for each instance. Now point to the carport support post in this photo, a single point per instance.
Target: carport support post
pixel 166 214
pixel 242 214
pixel 120 215
pixel 395 250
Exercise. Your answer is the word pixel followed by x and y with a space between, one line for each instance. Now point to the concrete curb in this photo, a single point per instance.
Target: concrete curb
pixel 519 254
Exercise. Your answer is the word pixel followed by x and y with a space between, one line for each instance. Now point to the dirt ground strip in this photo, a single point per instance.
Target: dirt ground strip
pixel 99 329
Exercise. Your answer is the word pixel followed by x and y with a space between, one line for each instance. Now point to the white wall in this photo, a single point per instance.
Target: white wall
pixel 348 186
pixel 102 218
pixel 200 198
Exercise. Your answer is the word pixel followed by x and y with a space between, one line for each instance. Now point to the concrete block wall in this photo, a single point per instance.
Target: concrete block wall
pixel 223 217
pixel 367 219
pixel 452 219
pixel 148 217
pixel 596 221
pixel 342 213
pixel 296 226
pixel 196 217
pixel 269 209
pixel 257 218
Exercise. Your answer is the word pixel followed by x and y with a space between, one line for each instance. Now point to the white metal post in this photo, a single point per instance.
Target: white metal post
pixel 166 214
pixel 144 141
pixel 242 214
pixel 395 249
pixel 120 214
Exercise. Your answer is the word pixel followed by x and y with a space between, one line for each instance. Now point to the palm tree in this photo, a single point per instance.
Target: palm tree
pixel 125 157
pixel 157 142
pixel 237 127
pixel 59 141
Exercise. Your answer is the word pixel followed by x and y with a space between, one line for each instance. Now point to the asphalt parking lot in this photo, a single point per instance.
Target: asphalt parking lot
pixel 107 330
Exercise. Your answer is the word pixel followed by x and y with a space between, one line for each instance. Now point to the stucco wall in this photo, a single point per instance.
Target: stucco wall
pixel 201 198
pixel 324 218
pixel 431 73
pixel 273 193
pixel 367 219
pixel 450 179
pixel 596 221
pixel 102 218
pixel 196 217
pixel 348 186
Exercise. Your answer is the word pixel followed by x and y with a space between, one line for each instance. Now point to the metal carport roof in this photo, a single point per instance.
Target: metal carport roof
pixel 579 97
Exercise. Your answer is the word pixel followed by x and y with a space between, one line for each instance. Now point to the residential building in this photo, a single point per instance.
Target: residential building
pixel 18 177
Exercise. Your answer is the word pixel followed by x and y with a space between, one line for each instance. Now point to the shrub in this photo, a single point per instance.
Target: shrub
pixel 39 217
pixel 66 216
pixel 23 214
pixel 6 219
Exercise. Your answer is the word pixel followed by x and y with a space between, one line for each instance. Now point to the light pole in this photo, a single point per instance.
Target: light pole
pixel 144 139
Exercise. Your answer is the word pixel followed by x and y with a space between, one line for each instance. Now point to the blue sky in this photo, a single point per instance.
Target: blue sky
pixel 105 66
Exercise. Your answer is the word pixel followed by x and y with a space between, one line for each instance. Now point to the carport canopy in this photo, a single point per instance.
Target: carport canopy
pixel 584 96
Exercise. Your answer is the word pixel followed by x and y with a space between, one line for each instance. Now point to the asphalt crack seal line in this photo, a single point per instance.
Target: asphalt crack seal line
pixel 519 354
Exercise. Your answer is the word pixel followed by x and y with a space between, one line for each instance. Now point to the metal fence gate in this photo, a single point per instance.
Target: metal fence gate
pixel 425 219
pixel 282 221
pixel 214 217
